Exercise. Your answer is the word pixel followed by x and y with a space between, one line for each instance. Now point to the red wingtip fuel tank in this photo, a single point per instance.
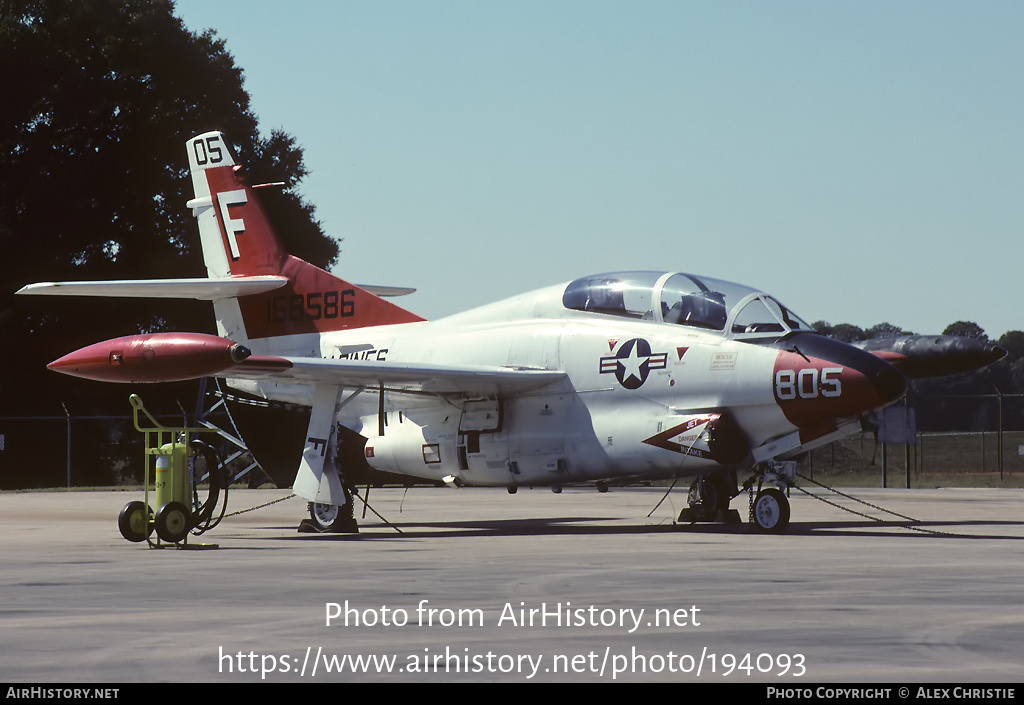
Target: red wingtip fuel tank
pixel 152 357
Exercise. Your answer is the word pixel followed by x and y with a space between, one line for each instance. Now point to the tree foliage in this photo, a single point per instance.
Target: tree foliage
pixel 100 97
pixel 1013 342
pixel 966 329
pixel 844 332
pixel 885 330
pixel 1005 375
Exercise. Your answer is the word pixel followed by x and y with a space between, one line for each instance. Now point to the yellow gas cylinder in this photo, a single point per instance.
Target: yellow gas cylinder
pixel 172 474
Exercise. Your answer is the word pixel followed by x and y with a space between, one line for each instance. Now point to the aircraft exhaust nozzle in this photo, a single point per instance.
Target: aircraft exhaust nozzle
pixel 153 357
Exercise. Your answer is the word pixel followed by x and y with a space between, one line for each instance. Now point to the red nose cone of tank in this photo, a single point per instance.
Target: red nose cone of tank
pixel 153 357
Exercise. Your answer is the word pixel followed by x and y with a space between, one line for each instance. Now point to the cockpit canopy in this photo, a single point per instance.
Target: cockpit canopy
pixel 683 299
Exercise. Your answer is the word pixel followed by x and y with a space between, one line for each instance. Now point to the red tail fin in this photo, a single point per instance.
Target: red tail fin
pixel 238 240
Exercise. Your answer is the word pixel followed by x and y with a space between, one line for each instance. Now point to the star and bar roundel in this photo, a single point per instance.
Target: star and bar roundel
pixel 633 362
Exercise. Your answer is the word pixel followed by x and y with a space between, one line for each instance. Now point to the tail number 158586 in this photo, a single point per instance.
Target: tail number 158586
pixel 312 306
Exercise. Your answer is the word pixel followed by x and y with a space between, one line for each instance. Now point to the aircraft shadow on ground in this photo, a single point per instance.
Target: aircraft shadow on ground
pixel 581 526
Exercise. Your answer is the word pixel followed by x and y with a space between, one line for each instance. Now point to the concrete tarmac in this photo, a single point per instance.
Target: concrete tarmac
pixel 484 586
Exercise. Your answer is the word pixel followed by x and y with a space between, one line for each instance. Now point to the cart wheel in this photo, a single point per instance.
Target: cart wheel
pixel 173 520
pixel 134 521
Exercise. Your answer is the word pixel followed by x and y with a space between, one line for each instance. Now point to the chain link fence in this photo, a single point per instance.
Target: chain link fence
pixel 85 451
pixel 974 441
pixel 968 459
pixel 968 441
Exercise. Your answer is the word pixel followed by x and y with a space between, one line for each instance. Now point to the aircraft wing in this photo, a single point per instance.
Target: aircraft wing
pixel 173 357
pixel 394 376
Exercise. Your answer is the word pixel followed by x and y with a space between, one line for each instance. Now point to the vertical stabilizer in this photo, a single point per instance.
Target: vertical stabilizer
pixel 239 241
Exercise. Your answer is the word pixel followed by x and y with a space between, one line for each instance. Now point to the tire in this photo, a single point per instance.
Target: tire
pixel 771 511
pixel 331 518
pixel 173 521
pixel 134 521
pixel 323 515
pixel 707 498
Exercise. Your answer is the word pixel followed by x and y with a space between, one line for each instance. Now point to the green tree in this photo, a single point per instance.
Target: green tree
pixel 966 329
pixel 848 333
pixel 100 97
pixel 1013 342
pixel 1009 372
pixel 885 330
pixel 845 332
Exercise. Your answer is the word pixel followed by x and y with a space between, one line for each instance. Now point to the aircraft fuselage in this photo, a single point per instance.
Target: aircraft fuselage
pixel 641 399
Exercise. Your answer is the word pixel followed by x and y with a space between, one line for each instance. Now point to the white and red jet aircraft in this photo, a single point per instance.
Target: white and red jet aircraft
pixel 611 378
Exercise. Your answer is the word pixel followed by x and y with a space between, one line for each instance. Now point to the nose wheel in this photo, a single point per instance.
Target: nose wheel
pixel 770 511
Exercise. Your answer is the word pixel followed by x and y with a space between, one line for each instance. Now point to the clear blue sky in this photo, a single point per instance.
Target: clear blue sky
pixel 862 161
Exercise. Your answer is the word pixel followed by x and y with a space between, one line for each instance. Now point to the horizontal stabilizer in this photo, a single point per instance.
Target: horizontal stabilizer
pixel 379 290
pixel 202 289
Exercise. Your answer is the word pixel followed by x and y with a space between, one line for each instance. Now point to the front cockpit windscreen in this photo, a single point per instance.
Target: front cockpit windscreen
pixel 683 299
pixel 764 315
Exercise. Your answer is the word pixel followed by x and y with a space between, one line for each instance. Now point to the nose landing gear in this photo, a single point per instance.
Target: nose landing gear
pixel 769 509
pixel 770 512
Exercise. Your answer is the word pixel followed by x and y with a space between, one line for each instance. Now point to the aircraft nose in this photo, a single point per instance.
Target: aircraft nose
pixel 818 379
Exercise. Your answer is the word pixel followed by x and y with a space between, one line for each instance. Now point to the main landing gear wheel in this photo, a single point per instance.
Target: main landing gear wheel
pixel 705 498
pixel 173 521
pixel 331 518
pixel 134 521
pixel 709 501
pixel 770 513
